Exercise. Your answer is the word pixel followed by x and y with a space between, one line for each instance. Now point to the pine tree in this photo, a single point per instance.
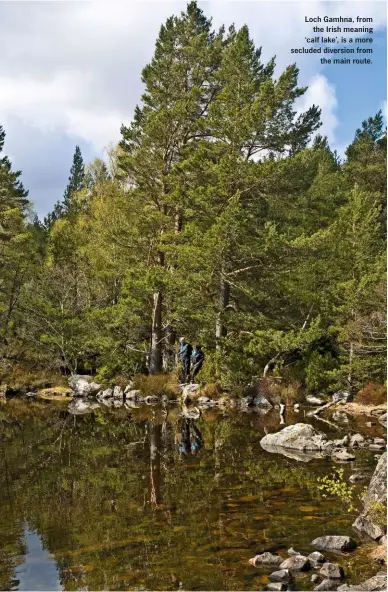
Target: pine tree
pixel 76 183
pixel 179 89
pixel 16 256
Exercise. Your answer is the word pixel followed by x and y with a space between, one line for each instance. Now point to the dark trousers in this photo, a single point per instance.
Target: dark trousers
pixel 197 368
pixel 186 367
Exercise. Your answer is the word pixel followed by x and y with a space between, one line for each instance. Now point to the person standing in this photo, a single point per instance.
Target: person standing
pixel 185 351
pixel 197 358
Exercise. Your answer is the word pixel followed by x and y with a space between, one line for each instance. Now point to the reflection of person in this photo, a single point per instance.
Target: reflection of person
pixel 185 351
pixel 197 358
pixel 190 437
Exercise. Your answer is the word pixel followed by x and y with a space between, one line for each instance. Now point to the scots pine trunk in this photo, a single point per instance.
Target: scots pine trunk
pixel 224 299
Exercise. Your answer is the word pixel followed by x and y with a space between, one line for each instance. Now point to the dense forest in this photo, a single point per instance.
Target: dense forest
pixel 222 215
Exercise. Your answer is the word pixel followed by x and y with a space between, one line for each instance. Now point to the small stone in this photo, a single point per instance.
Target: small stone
pixel 383 540
pixel 315 578
pixel 332 571
pixel 369 424
pixel 316 559
pixel 315 401
pixel 292 552
pixel 379 441
pixel 261 401
pixel 134 394
pixel 356 440
pixel 340 416
pixel 376 447
pixel 106 394
pixel 118 392
pixel 283 575
pixel 383 420
pixel 342 456
pixel 327 585
pixel 343 587
pixel 334 543
pixel 151 400
pixel 296 563
pixel 341 397
pixel 266 559
pixel 277 586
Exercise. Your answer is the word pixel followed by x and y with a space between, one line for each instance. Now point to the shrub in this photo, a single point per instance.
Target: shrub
pixel 372 393
pixel 156 384
pixel 337 486
pixel 212 390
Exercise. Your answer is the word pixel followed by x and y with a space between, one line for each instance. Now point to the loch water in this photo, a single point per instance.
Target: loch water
pixel 143 499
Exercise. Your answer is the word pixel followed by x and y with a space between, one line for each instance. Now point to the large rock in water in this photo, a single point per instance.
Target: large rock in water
pixel 300 436
pixel 375 499
pixel 334 543
pixel 83 386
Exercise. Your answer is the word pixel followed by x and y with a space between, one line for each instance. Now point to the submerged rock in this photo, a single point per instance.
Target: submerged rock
pixel 334 543
pixel 332 571
pixel 358 478
pixel 376 495
pixel 342 456
pixel 266 559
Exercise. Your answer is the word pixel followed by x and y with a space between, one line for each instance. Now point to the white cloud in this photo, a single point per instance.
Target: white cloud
pixel 320 92
pixel 73 68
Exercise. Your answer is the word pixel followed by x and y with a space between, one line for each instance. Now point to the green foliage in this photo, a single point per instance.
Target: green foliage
pixel 378 514
pixel 216 217
pixel 336 486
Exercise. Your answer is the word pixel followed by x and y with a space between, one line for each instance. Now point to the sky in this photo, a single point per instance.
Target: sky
pixel 70 73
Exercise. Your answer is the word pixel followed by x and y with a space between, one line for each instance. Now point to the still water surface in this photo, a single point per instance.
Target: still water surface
pixel 142 499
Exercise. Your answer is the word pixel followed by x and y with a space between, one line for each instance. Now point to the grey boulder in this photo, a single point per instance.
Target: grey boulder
pixel 266 559
pixel 283 575
pixel 332 571
pixel 376 494
pixel 316 559
pixel 83 386
pixel 334 543
pixel 296 563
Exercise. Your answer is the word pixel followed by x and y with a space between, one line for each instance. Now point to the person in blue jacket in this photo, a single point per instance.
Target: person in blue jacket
pixel 185 351
pixel 197 358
